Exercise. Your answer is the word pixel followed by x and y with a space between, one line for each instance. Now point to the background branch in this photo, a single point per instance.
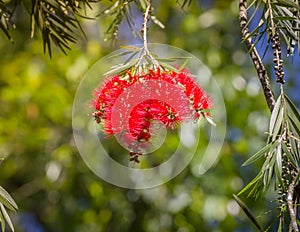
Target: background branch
pixel 260 68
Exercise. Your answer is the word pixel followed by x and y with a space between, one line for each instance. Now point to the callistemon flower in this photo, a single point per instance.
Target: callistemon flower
pixel 128 103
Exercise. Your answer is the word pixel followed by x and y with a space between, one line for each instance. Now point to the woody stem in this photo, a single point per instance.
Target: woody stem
pixel 145 50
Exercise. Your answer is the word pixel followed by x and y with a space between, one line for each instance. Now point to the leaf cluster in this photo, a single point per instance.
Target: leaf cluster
pixel 57 20
pixel 119 10
pixel 6 13
pixel 6 202
pixel 281 150
pixel 135 59
pixel 280 16
pixel 281 154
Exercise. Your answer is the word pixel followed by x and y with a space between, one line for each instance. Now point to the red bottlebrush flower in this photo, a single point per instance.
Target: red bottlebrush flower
pixel 128 104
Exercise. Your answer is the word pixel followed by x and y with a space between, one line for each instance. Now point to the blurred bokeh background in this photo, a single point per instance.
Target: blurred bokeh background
pixel 45 174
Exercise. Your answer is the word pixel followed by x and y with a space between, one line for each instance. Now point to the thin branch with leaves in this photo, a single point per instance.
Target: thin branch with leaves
pixel 281 153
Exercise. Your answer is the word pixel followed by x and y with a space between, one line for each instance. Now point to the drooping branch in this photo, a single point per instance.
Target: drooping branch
pixel 260 68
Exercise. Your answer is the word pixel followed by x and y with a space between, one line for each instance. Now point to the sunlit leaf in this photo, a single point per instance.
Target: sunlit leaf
pixel 6 217
pixel 276 111
pixel 7 200
pixel 2 220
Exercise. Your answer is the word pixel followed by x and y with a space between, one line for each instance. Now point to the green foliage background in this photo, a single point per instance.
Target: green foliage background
pixel 47 177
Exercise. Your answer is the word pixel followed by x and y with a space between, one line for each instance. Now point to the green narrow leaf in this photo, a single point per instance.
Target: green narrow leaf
pixel 295 149
pixel 253 14
pixel 294 125
pixel 279 157
pixel 268 168
pixel 117 69
pixel 157 22
pixel 286 40
pixel 278 166
pixel 285 18
pixel 264 19
pixel 143 3
pixel 252 34
pixel 247 212
pixel 130 48
pixel 289 155
pixel 278 174
pixel 2 221
pixel 278 125
pixel 210 121
pixel 266 179
pixel 7 200
pixel 249 5
pixel 293 107
pixel 5 30
pixel 171 59
pixel 257 189
pixel 169 67
pixel 120 54
pixel 252 182
pixel 288 3
pixel 258 154
pixel 168 60
pixel 297 177
pixel 184 64
pixel 129 59
pixel 130 21
pixel 184 3
pixel 6 217
pixel 274 115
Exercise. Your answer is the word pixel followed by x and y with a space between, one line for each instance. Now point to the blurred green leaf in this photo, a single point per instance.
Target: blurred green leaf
pixel 247 212
pixel 7 200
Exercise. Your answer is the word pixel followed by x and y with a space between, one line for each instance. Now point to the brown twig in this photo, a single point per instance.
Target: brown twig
pixel 292 210
pixel 260 68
